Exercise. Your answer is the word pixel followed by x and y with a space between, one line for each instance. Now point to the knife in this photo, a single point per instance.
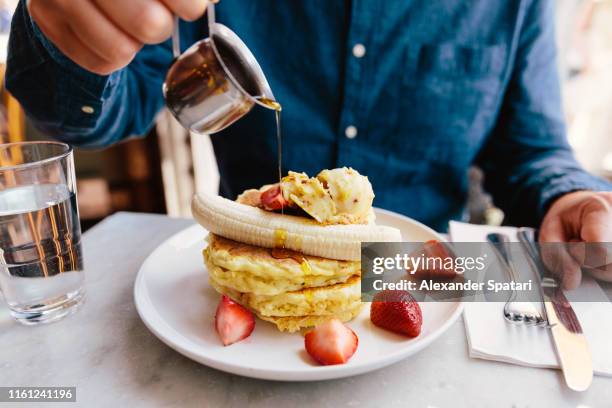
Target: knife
pixel 571 344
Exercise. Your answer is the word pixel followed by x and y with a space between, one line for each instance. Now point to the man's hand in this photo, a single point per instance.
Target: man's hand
pixel 103 36
pixel 584 220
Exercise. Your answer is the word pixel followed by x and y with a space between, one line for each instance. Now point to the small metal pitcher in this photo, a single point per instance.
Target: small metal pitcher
pixel 216 81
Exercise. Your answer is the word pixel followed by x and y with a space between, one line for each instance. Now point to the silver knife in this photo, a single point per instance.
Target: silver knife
pixel 571 344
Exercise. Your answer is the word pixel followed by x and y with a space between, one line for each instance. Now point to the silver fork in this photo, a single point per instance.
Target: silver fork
pixel 514 312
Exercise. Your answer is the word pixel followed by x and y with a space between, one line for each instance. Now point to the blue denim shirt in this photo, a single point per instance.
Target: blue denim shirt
pixel 442 85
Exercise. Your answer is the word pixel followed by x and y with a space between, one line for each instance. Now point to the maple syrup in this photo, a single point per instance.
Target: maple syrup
pixel 272 104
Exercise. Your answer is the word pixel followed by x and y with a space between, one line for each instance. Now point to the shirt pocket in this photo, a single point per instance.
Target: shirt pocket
pixel 450 96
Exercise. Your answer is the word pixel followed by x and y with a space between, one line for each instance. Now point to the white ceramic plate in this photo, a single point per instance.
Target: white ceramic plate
pixel 177 304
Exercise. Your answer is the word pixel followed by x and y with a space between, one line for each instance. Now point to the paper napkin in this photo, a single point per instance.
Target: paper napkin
pixel 490 337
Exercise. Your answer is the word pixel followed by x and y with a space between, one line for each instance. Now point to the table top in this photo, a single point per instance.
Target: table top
pixel 113 360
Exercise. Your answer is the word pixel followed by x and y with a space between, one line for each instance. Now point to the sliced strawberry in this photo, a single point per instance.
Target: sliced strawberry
pixel 272 199
pixel 331 342
pixel 396 311
pixel 233 322
pixel 437 266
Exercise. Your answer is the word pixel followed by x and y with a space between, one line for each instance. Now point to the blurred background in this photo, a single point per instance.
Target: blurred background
pixel 161 172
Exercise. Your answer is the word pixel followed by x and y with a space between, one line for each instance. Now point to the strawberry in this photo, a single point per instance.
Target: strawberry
pixel 331 342
pixel 272 199
pixel 233 322
pixel 437 255
pixel 397 311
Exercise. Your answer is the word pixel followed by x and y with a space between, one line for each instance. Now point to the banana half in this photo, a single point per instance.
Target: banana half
pixel 257 227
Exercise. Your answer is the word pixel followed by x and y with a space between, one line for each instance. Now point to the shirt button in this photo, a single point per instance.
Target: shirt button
pixel 359 50
pixel 350 132
pixel 87 109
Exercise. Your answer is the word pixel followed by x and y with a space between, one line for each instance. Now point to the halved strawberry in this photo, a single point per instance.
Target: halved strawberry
pixel 331 342
pixel 397 311
pixel 438 262
pixel 233 322
pixel 272 199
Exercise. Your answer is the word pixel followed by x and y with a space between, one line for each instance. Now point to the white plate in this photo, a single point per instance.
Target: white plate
pixel 177 304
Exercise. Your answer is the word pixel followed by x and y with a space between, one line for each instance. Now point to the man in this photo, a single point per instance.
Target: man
pixel 410 93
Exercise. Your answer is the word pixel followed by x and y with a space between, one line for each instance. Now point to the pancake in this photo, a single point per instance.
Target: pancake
pixel 296 323
pixel 325 300
pixel 291 311
pixel 250 269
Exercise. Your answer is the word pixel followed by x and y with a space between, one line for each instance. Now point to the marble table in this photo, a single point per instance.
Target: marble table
pixel 113 360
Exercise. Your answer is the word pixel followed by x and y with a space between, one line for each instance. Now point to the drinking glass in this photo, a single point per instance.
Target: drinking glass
pixel 41 263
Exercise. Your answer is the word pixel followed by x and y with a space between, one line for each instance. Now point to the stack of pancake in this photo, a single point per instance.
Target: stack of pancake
pixel 284 287
pixel 293 270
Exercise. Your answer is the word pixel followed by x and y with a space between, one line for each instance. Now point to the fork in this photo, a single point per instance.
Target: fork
pixel 514 312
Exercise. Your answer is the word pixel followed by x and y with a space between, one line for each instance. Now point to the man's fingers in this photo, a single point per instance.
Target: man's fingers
pixel 596 231
pixel 577 250
pixel 562 264
pixel 110 42
pixel 571 274
pixel 583 220
pixel 556 255
pixel 147 21
pixel 553 230
pixel 78 51
pixel 48 18
pixel 596 254
pixel 603 272
pixel 187 9
pixel 597 219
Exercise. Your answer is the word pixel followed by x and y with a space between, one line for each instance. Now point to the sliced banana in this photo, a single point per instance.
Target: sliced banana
pixel 255 226
pixel 310 195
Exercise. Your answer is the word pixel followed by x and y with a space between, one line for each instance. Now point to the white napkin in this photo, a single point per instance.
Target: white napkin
pixel 490 337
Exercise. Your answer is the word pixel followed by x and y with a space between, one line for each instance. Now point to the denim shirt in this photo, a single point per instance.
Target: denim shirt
pixel 431 88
